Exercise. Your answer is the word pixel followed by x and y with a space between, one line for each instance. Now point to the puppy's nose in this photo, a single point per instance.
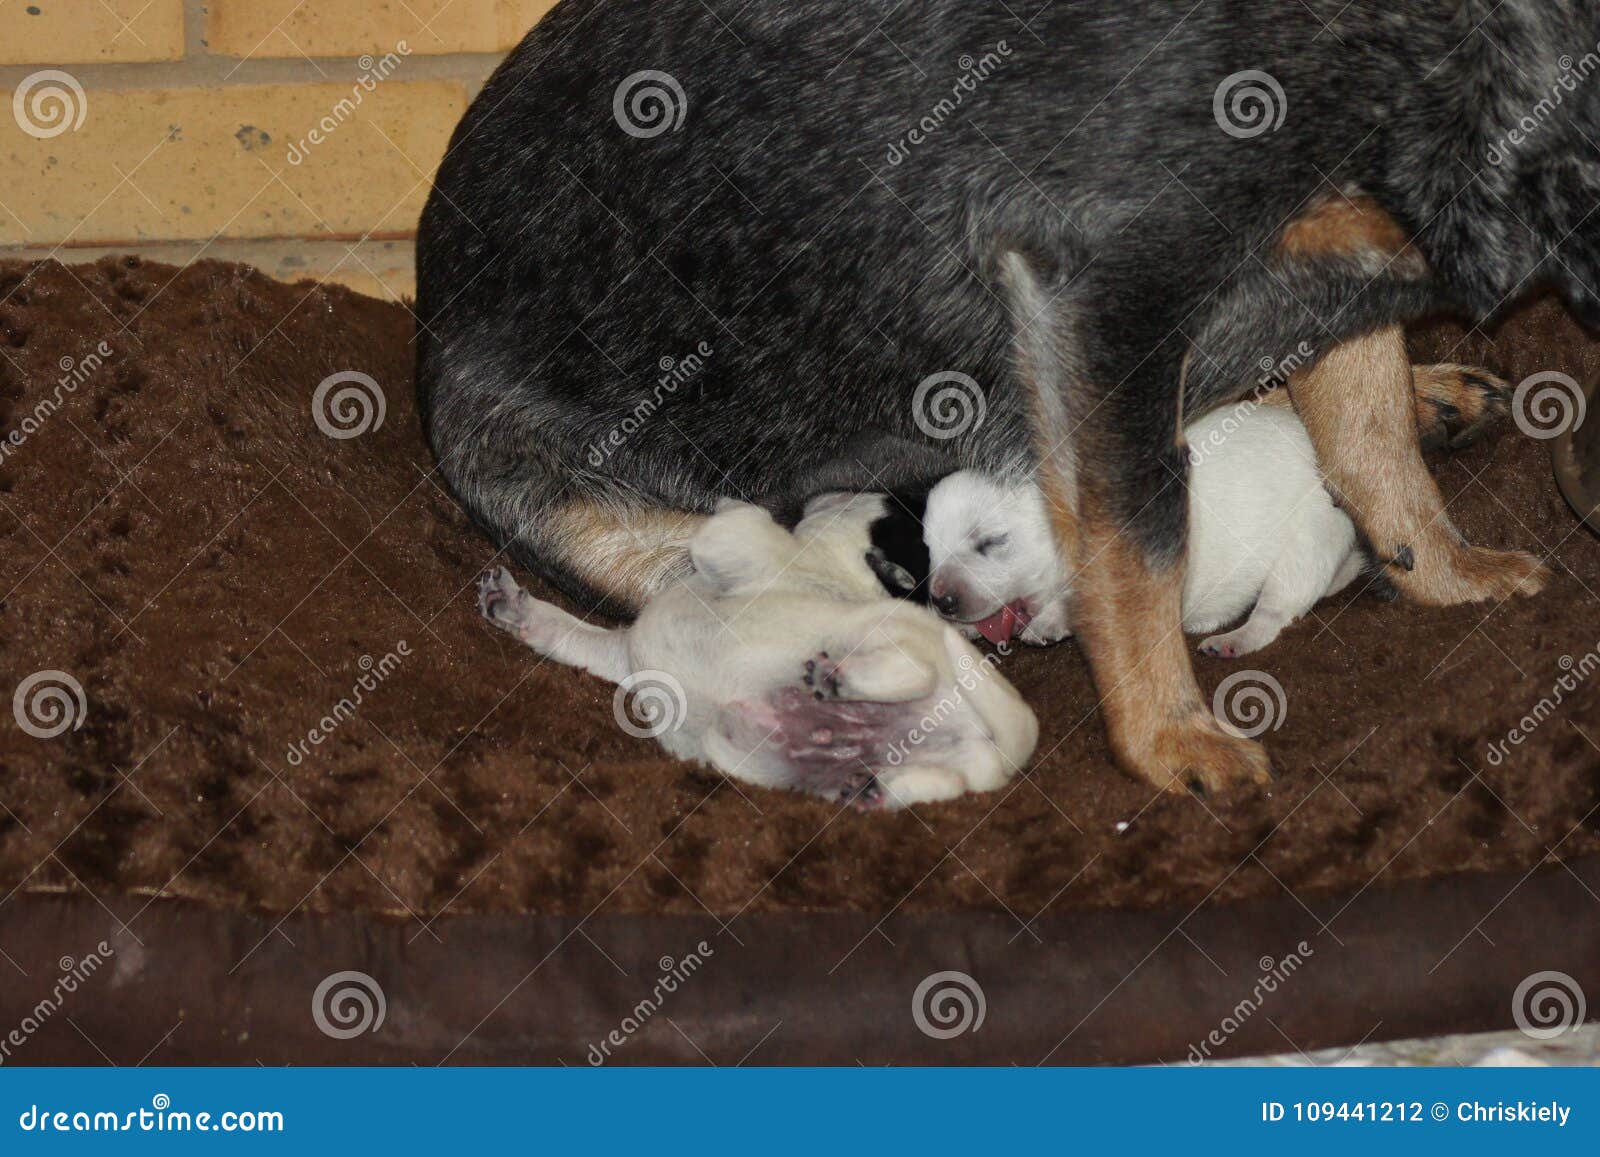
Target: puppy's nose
pixel 945 602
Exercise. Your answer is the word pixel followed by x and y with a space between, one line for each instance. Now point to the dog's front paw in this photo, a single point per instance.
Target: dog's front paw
pixel 1447 571
pixel 1198 754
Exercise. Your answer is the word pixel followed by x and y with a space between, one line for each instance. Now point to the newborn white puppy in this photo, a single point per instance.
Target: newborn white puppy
pixel 1263 533
pixel 781 662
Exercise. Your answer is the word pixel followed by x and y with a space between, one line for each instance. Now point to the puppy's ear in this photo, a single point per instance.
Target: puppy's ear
pixel 896 579
pixel 739 545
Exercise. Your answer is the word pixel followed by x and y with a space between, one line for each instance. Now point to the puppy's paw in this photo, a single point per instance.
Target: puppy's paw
pixel 500 598
pixel 1456 403
pixel 1243 641
pixel 1051 625
pixel 907 786
pixel 1221 647
pixel 882 674
pixel 821 677
pixel 860 789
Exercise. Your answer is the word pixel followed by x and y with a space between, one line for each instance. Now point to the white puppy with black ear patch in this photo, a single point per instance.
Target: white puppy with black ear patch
pixel 792 669
pixel 1264 533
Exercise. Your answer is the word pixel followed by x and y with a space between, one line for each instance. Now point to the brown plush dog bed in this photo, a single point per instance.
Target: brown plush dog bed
pixel 183 539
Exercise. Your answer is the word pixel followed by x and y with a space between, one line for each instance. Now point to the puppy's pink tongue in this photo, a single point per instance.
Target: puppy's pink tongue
pixel 1003 625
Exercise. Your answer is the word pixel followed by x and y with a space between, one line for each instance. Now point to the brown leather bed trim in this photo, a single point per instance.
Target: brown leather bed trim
pixel 804 988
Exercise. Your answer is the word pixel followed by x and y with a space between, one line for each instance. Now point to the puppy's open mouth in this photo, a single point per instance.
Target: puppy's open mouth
pixel 1005 624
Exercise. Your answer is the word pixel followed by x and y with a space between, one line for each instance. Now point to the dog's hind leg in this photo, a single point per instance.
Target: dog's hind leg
pixel 550 630
pixel 1358 404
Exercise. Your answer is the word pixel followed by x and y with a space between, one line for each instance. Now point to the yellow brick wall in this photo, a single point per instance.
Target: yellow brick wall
pixel 220 123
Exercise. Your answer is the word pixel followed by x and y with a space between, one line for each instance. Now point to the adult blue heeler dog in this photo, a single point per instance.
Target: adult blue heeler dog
pixel 683 249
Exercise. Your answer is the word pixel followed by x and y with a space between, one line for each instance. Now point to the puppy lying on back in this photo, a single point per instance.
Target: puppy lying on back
pixel 1265 536
pixel 779 661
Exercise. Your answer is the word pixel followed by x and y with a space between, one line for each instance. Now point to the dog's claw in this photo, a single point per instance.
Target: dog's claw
pixel 495 587
pixel 862 791
pixel 822 676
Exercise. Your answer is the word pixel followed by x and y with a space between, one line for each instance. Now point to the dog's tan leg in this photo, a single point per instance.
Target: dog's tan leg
pixel 1127 593
pixel 1360 407
pixel 1127 615
pixel 1455 403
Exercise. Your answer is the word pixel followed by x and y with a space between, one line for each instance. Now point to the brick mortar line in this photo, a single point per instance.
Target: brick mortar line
pixel 207 71
pixel 199 67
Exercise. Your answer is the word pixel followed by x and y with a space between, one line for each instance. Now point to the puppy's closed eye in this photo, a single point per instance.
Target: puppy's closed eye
pixel 993 542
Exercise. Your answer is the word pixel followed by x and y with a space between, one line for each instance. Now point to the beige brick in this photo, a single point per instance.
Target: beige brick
pixel 260 28
pixel 90 31
pixel 196 162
